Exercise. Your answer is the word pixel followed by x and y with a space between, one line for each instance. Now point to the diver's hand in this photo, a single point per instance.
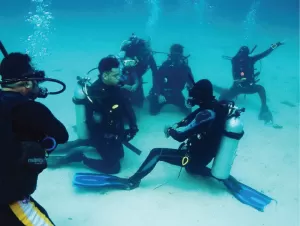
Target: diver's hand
pixel 161 99
pixel 127 87
pixel 280 43
pixel 277 44
pixel 167 130
pixel 134 87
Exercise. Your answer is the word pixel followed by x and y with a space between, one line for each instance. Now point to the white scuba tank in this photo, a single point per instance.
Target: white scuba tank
pixel 234 131
pixel 79 99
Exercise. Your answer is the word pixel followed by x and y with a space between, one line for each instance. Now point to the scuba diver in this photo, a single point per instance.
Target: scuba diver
pixel 29 133
pixel 201 133
pixel 211 132
pixel 245 78
pixel 100 112
pixel 172 77
pixel 139 50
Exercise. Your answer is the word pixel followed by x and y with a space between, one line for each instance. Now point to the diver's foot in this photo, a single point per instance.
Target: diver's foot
pixel 132 184
pixel 265 115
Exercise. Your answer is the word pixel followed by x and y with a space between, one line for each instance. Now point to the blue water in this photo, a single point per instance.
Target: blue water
pixel 68 38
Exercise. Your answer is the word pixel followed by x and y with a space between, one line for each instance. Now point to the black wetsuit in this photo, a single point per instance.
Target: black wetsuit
pixel 24 124
pixel 107 136
pixel 202 130
pixel 171 79
pixel 245 78
pixel 144 63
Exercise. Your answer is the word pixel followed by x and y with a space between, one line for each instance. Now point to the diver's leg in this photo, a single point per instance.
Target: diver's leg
pixel 65 148
pixel 262 95
pixel 111 152
pixel 25 212
pixel 67 153
pixel 198 165
pixel 265 113
pixel 172 156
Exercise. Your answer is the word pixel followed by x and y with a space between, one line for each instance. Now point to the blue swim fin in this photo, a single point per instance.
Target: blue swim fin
pixel 92 180
pixel 247 195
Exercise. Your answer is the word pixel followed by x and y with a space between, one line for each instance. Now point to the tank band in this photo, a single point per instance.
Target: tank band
pixel 236 136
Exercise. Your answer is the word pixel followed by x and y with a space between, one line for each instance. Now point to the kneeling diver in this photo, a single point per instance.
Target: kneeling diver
pixel 101 108
pixel 172 77
pixel 29 133
pixel 210 132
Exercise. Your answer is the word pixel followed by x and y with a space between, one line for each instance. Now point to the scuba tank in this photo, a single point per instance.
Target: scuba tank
pixel 234 131
pixel 80 99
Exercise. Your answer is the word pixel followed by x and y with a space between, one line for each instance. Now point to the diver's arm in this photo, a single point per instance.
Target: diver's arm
pixel 262 55
pixel 187 119
pixel 38 117
pixel 197 125
pixel 267 52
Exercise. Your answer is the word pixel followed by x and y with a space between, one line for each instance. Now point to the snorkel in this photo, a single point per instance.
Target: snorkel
pixel 38 76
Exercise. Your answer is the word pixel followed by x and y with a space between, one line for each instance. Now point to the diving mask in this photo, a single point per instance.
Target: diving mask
pixel 130 62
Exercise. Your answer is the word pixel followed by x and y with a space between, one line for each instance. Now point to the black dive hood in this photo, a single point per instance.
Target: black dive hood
pixel 38 76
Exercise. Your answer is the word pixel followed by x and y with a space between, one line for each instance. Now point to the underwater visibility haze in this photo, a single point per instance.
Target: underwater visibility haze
pixel 152 112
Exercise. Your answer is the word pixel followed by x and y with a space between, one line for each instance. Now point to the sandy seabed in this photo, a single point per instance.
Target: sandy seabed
pixel 267 159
